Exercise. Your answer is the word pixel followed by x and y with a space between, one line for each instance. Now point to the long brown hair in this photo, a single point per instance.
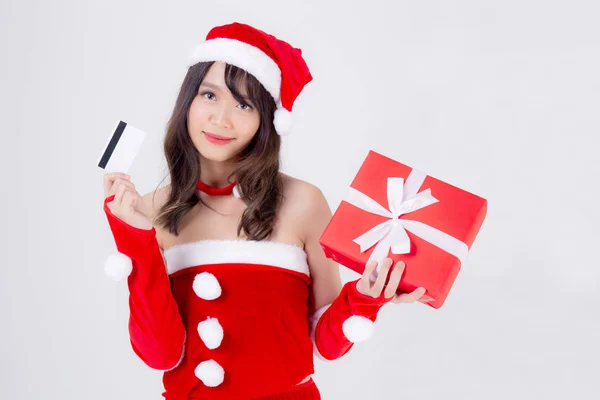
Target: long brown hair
pixel 257 166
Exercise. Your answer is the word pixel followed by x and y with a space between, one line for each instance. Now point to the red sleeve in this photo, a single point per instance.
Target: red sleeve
pixel 156 329
pixel 349 319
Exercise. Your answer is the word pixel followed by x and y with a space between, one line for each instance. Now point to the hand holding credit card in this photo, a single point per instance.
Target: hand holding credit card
pixel 117 157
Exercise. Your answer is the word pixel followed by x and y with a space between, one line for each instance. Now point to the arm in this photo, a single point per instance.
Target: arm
pixel 156 330
pixel 343 315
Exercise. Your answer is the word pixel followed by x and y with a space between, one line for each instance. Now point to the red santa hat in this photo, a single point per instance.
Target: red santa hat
pixel 277 65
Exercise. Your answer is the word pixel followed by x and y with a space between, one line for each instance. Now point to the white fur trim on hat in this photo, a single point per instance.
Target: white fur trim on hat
pixel 358 328
pixel 211 332
pixel 206 286
pixel 244 56
pixel 118 266
pixel 210 373
pixel 282 121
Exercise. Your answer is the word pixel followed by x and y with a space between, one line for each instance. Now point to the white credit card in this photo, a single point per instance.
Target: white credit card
pixel 122 147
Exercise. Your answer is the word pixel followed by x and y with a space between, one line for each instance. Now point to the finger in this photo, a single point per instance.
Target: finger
pixel 117 174
pixel 128 201
pixel 401 298
pixel 392 285
pixel 409 297
pixel 425 299
pixel 109 185
pixel 110 177
pixel 109 180
pixel 118 182
pixel 418 293
pixel 112 189
pixel 382 276
pixel 119 193
pixel 369 268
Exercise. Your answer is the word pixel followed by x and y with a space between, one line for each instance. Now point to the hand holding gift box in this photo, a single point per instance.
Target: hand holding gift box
pixel 428 224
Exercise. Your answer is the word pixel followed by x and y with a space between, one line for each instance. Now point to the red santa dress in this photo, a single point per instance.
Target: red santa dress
pixel 232 319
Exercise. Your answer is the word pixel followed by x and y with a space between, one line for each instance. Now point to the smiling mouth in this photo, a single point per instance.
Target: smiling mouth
pixel 216 139
pixel 215 136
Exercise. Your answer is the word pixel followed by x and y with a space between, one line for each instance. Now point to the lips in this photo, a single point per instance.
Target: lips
pixel 217 139
pixel 214 135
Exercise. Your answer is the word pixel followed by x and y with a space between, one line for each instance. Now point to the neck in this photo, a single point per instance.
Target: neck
pixel 215 173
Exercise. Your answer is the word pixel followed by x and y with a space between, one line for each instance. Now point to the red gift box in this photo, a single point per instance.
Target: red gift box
pixel 393 210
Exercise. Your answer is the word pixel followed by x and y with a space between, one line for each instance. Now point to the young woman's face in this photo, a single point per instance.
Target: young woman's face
pixel 215 114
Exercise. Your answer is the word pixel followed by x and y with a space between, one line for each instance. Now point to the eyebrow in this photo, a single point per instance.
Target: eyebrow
pixel 217 87
pixel 211 85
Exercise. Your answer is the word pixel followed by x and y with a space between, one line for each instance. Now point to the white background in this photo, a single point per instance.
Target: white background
pixel 500 98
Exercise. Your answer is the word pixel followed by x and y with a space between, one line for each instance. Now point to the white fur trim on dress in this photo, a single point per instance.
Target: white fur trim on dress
pixel 203 252
pixel 206 286
pixel 244 56
pixel 211 332
pixel 313 320
pixel 118 266
pixel 210 373
pixel 358 328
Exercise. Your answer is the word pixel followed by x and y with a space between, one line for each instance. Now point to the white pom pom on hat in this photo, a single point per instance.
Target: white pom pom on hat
pixel 118 266
pixel 358 328
pixel 283 121
pixel 211 332
pixel 206 286
pixel 210 373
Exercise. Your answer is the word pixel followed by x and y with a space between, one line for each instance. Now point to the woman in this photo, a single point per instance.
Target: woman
pixel 230 291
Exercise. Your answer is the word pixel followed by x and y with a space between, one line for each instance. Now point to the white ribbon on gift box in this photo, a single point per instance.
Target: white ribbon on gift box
pixel 402 199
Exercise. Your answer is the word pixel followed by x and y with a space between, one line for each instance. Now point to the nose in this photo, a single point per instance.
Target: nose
pixel 221 116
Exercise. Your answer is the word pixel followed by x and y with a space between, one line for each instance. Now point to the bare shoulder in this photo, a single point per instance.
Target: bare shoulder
pixel 305 205
pixel 301 196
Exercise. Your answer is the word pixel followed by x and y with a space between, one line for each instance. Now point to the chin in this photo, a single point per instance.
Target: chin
pixel 212 155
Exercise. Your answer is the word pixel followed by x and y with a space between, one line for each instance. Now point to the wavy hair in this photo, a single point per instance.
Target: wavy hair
pixel 257 166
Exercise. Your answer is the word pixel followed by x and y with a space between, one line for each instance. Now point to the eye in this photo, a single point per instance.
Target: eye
pixel 209 94
pixel 245 105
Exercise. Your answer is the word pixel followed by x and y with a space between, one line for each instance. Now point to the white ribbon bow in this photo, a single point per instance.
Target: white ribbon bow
pixel 402 199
